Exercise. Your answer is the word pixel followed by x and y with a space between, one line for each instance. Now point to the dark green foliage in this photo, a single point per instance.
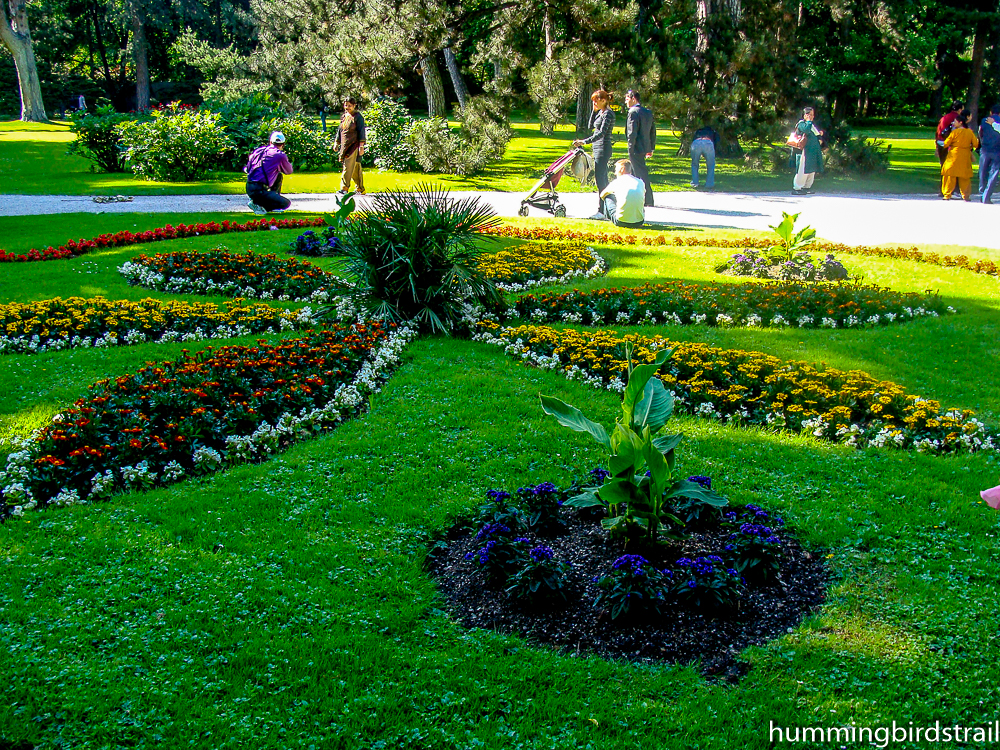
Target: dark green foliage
pixel 481 139
pixel 706 582
pixel 98 139
pixel 178 143
pixel 307 147
pixel 633 585
pixel 413 257
pixel 388 124
pixel 241 119
pixel 539 577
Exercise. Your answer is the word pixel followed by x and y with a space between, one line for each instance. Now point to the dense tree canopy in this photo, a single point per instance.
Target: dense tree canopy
pixel 743 65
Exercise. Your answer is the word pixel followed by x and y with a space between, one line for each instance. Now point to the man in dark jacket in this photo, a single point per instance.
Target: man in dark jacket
pixel 640 132
pixel 264 169
pixel 989 155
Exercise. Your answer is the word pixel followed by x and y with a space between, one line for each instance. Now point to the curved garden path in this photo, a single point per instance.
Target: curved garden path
pixel 854 219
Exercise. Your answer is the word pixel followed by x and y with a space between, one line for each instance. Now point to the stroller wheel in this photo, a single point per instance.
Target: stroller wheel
pixel 522 211
pixel 559 211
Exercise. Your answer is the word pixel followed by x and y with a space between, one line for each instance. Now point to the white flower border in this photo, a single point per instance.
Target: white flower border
pixel 264 441
pixel 288 320
pixel 975 436
pixel 598 267
pixel 137 274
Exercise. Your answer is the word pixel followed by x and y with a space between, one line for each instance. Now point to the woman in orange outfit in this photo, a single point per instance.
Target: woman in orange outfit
pixel 958 164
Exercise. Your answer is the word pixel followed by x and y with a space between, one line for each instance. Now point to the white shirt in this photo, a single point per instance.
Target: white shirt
pixel 630 195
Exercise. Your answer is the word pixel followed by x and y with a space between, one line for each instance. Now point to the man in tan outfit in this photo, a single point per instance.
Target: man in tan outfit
pixel 351 146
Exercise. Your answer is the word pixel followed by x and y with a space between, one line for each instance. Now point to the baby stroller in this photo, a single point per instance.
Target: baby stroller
pixel 544 196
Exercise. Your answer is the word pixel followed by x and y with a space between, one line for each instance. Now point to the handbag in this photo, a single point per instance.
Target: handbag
pixel 796 140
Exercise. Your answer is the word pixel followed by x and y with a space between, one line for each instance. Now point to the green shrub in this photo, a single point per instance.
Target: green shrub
pixel 858 156
pixel 414 257
pixel 97 138
pixel 386 146
pixel 241 119
pixel 482 138
pixel 179 143
pixel 307 147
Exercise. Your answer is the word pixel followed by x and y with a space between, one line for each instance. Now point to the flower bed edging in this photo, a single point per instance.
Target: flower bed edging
pixel 32 466
pixel 74 248
pixel 754 388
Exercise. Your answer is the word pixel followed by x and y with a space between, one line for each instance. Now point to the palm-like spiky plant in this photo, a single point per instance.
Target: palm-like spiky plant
pixel 413 256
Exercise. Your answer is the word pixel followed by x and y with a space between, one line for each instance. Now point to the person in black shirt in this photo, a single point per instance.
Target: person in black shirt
pixel 603 122
pixel 640 132
pixel 703 145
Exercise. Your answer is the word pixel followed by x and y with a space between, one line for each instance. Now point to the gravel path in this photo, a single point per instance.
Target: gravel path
pixel 869 219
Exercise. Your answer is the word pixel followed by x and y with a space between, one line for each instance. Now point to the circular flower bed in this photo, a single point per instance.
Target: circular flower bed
pixel 54 324
pixel 742 386
pixel 529 265
pixel 731 579
pixel 231 275
pixel 198 413
pixel 778 305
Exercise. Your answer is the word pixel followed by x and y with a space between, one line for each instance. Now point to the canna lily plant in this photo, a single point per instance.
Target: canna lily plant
pixel 638 493
pixel 791 242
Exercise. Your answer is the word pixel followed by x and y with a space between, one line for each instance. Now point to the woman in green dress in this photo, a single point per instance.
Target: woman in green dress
pixel 809 159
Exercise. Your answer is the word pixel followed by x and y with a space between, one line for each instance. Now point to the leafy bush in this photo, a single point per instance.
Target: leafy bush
pixel 178 143
pixel 98 138
pixel 858 156
pixel 387 147
pixel 414 257
pixel 698 512
pixel 497 510
pixel 241 119
pixel 502 553
pixel 632 585
pixel 482 138
pixel 314 245
pixel 540 576
pixel 308 148
pixel 641 487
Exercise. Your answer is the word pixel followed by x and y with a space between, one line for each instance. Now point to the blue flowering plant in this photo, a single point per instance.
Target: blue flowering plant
pixel 498 509
pixel 501 554
pixel 540 577
pixel 541 504
pixel 641 487
pixel 707 581
pixel 754 542
pixel 699 512
pixel 633 586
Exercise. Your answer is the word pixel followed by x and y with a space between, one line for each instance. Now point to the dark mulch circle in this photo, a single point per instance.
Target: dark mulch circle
pixel 680 635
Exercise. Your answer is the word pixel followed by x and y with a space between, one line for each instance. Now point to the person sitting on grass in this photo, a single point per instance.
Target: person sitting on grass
pixel 265 168
pixel 623 199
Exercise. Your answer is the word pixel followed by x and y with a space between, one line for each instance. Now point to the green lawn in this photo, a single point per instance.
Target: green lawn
pixel 126 625
pixel 35 163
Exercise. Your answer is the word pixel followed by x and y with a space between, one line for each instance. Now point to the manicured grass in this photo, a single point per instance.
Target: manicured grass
pixel 37 163
pixel 284 605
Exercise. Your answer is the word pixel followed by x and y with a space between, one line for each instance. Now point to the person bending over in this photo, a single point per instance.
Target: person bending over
pixel 265 168
pixel 623 198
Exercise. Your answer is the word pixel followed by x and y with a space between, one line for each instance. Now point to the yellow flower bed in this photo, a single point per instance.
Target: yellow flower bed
pixel 752 387
pixel 77 321
pixel 532 264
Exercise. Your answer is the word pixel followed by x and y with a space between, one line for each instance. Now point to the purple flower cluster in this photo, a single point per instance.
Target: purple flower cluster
pixel 598 475
pixel 491 530
pixel 705 482
pixel 632 563
pixel 541 553
pixel 498 496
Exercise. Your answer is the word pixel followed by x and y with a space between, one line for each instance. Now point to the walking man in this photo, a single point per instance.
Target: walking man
pixel 351 146
pixel 640 132
pixel 265 168
pixel 989 155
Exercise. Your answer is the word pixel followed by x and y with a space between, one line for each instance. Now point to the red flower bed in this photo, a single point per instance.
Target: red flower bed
pixel 73 248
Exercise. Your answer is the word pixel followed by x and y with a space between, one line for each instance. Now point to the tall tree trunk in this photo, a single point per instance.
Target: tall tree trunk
pixel 140 51
pixel 937 97
pixel 16 37
pixel 976 79
pixel 461 91
pixel 550 44
pixel 583 109
pixel 109 85
pixel 436 104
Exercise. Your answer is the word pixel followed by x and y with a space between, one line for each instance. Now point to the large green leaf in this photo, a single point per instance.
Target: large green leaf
pixel 570 416
pixel 616 491
pixel 636 385
pixel 693 490
pixel 666 443
pixel 659 470
pixel 655 407
pixel 587 499
pixel 626 451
